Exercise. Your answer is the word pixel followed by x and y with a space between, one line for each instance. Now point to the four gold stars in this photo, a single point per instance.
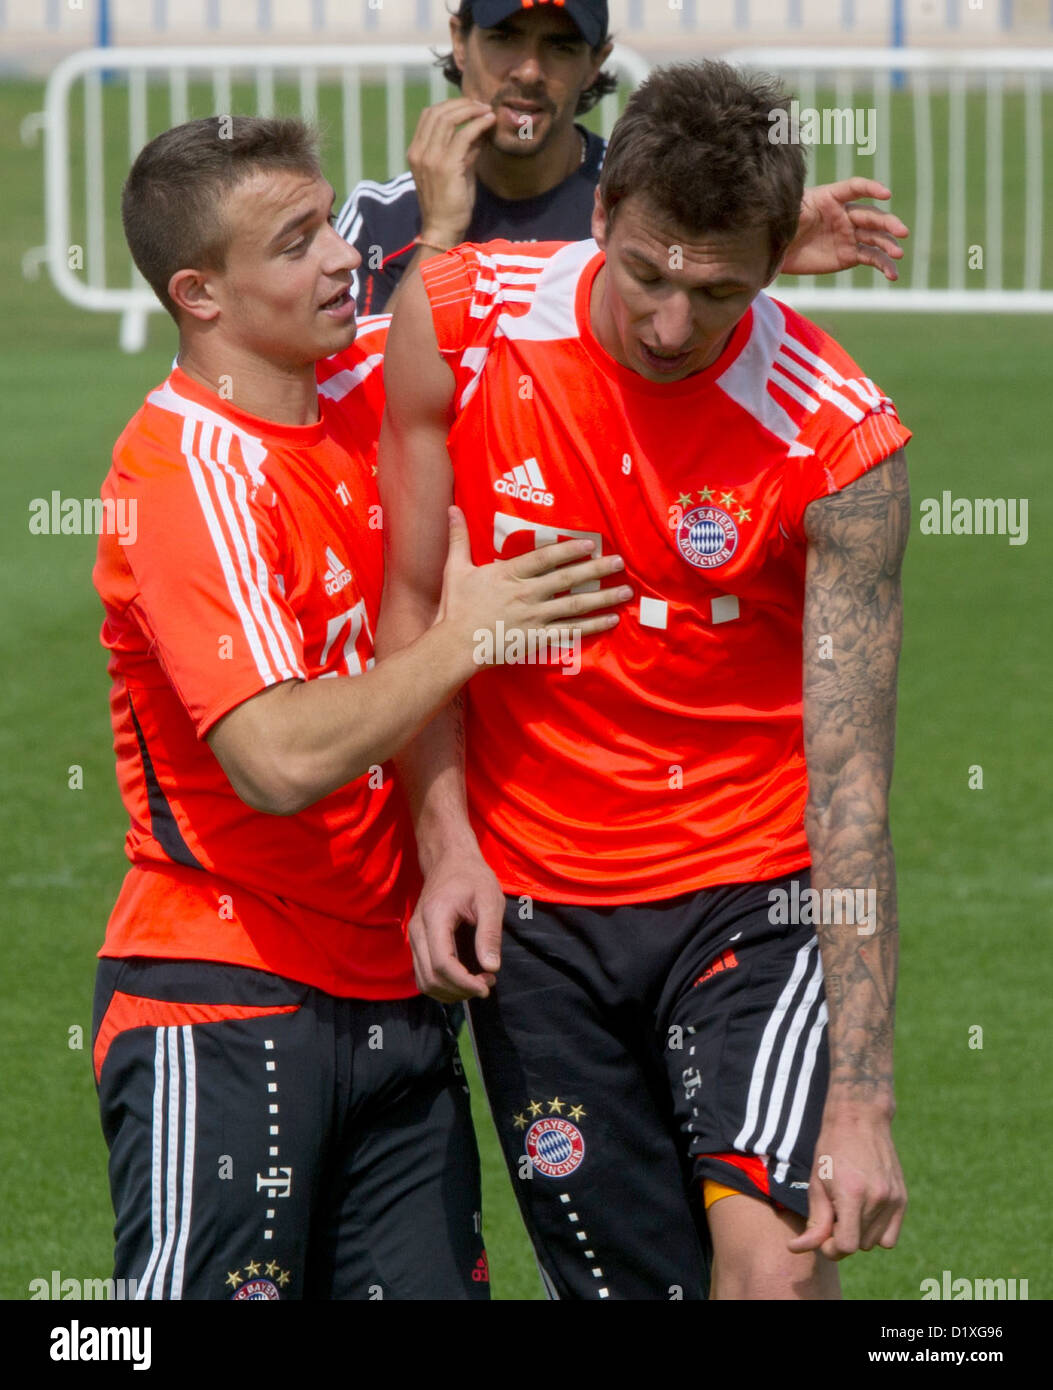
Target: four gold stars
pixel 727 499
pixel 556 1106
pixel 272 1269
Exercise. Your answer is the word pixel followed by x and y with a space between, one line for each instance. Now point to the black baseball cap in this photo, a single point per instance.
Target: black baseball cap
pixel 590 16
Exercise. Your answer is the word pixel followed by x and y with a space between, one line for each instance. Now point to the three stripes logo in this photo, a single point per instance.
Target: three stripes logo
pixel 526 483
pixel 780 1091
pixel 337 576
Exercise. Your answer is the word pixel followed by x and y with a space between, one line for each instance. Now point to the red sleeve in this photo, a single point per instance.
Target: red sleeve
pixel 465 305
pixel 470 289
pixel 354 378
pixel 851 426
pixel 202 580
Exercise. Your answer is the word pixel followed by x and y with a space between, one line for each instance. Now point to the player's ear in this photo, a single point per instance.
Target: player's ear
pixel 599 221
pixel 599 57
pixel 775 273
pixel 191 291
pixel 457 40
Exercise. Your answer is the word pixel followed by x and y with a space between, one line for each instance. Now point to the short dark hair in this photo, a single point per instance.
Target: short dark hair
pixel 606 82
pixel 172 203
pixel 694 141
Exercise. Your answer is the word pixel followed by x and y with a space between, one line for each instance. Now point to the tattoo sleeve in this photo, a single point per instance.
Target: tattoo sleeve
pixel 853 617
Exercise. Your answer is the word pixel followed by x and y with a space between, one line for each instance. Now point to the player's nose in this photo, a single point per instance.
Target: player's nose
pixel 344 255
pixel 673 324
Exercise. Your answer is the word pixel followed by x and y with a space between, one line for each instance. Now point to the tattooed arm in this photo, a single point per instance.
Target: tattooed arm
pixel 852 628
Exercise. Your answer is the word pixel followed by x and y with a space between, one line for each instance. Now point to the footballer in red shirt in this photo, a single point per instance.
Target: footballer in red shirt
pixel 283 1109
pixel 672 840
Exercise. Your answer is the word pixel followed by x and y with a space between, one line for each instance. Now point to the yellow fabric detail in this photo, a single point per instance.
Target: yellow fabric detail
pixel 713 1191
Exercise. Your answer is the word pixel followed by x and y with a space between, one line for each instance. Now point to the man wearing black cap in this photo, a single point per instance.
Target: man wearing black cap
pixel 506 159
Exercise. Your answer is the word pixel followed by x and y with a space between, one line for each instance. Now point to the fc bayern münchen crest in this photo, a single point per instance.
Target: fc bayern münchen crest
pixel 257 1290
pixel 707 537
pixel 555 1146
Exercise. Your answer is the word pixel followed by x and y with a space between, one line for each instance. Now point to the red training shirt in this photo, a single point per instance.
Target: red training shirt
pixel 674 760
pixel 256 557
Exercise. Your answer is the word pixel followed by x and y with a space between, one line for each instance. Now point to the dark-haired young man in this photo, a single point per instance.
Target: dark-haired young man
pixel 659 1036
pixel 284 1112
pixel 506 160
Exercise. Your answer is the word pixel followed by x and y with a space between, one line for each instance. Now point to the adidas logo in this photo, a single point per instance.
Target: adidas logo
pixel 526 483
pixel 337 576
pixel 727 960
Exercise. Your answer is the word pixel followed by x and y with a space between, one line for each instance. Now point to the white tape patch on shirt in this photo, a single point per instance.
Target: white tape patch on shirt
pixel 724 608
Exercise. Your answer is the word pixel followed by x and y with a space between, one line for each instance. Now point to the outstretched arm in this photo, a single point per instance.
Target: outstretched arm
pixel 416 486
pixel 287 747
pixel 852 629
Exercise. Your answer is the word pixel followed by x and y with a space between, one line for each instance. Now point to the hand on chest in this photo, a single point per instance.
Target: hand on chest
pixel 698 530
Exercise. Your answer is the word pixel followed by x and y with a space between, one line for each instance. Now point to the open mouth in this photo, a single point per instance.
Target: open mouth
pixel 662 363
pixel 339 299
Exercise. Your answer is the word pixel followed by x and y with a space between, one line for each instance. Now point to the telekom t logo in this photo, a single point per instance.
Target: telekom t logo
pixel 515 536
pixel 277 1183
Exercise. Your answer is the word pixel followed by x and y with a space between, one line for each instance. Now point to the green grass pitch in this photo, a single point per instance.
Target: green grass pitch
pixel 974 1124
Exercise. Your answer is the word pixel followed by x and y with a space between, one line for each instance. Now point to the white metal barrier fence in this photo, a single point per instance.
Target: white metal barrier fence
pixel 944 126
pixel 303 78
pixel 637 22
pixel 959 138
